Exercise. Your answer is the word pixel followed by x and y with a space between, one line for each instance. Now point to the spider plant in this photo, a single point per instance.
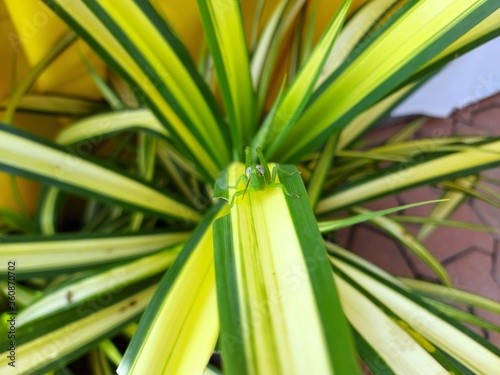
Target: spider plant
pixel 135 260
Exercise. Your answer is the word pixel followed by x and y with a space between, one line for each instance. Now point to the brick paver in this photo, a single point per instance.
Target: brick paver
pixel 472 258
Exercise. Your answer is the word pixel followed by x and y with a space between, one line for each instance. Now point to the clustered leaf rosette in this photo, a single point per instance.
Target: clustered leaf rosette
pixel 149 123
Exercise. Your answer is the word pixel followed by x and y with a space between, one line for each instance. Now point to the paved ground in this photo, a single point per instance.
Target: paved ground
pixel 472 258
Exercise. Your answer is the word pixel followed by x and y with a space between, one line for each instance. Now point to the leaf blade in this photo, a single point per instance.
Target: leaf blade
pixel 295 99
pixel 42 255
pixel 24 154
pixel 146 53
pixel 246 272
pixel 185 307
pixel 369 77
pixel 223 25
pixel 411 174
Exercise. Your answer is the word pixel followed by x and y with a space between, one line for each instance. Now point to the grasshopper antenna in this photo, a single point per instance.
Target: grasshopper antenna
pixel 248 162
pixel 246 187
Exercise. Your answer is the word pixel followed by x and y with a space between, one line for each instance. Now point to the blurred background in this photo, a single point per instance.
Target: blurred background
pixel 472 258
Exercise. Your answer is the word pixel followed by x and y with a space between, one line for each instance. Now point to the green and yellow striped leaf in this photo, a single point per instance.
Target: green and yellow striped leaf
pixel 329 225
pixel 289 109
pixel 357 28
pixel 133 39
pixel 454 199
pixel 316 184
pixel 353 33
pixel 57 105
pixel 62 44
pixel 278 305
pixel 179 330
pixel 413 173
pixel 47 210
pixel 99 126
pixel 451 294
pixel 371 75
pixel 401 234
pixel 99 363
pixel 401 329
pixel 114 99
pixel 50 343
pixel 24 154
pixel 87 134
pixel 96 284
pixel 266 53
pixel 223 24
pixel 62 253
pixel 443 222
pixel 361 123
pixel 461 315
pixel 487 29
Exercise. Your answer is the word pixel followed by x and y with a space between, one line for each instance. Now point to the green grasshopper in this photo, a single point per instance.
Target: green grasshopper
pixel 257 177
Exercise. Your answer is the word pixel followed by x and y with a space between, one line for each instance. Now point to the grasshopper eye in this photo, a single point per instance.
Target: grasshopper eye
pixel 247 172
pixel 261 169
